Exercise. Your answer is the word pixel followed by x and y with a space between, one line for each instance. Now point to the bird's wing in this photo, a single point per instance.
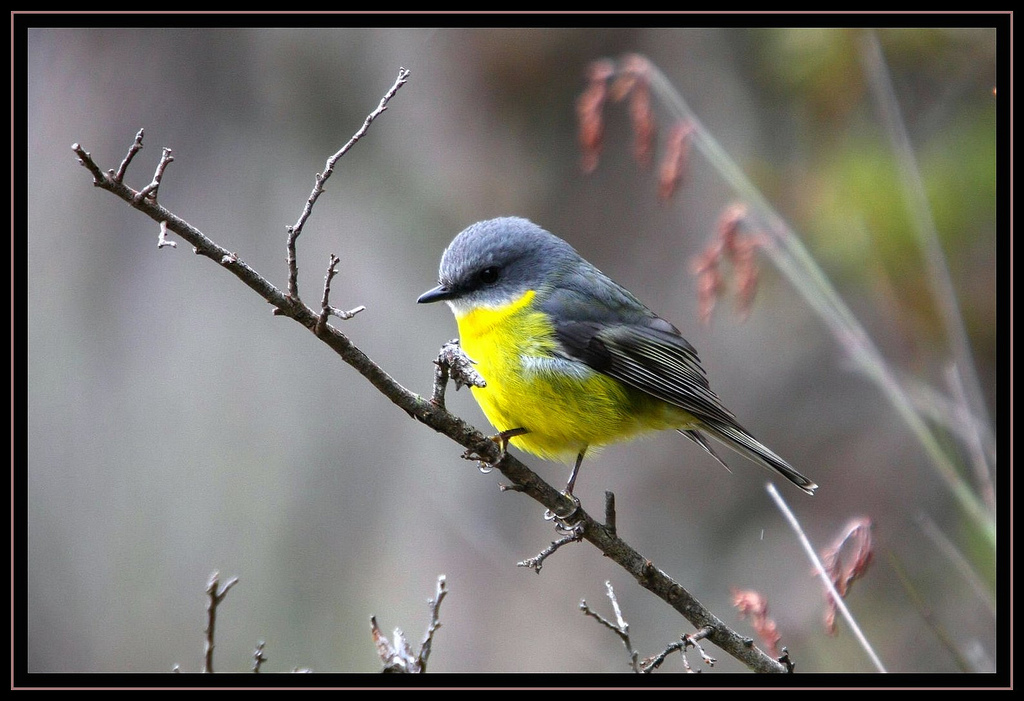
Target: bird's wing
pixel 657 361
pixel 652 356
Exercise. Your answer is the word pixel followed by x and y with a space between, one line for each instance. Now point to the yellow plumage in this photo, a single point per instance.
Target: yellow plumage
pixel 564 412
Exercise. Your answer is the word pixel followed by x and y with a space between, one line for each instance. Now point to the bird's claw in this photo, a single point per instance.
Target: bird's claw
pixel 562 519
pixel 501 439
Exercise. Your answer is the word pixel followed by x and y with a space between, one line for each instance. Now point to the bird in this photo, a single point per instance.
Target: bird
pixel 570 359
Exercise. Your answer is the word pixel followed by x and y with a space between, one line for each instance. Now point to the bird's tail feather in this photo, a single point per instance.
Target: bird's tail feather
pixel 742 442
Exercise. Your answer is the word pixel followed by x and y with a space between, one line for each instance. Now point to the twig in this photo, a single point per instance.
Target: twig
pixel 688 640
pixel 326 309
pixel 132 150
pixel 216 596
pixel 318 185
pixel 398 657
pixel 455 428
pixel 609 512
pixel 453 363
pixel 620 627
pixel 537 561
pixel 162 239
pixel 786 661
pixel 693 640
pixel 258 658
pixel 820 570
pixel 435 620
pixel 651 663
pixel 150 190
pixel 85 158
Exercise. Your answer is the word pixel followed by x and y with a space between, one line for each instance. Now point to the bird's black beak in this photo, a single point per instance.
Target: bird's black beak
pixel 438 294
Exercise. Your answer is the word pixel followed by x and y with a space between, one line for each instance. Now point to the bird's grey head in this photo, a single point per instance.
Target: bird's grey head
pixel 496 261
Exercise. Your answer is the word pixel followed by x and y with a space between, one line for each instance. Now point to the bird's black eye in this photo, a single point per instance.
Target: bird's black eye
pixel 489 275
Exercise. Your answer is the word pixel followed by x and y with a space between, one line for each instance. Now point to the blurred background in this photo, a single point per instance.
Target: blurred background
pixel 177 428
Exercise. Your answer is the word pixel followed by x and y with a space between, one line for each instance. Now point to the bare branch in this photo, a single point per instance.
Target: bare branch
pixel 537 561
pixel 85 158
pixel 693 640
pixel 162 239
pixel 326 309
pixel 150 190
pixel 689 640
pixel 398 657
pixel 318 185
pixel 216 596
pixel 453 363
pixel 609 512
pixel 132 150
pixel 258 658
pixel 435 621
pixel 651 663
pixel 620 627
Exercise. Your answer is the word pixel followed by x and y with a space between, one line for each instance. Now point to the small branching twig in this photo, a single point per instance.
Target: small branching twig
pixel 162 239
pixel 150 190
pixel 649 664
pixel 620 627
pixel 435 620
pixel 318 185
pixel 85 158
pixel 693 640
pixel 453 363
pixel 258 658
pixel 788 663
pixel 398 657
pixel 575 535
pixel 326 310
pixel 688 640
pixel 216 594
pixel 132 150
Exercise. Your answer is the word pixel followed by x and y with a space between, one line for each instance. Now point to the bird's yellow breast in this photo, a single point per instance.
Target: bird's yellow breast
pixel 564 405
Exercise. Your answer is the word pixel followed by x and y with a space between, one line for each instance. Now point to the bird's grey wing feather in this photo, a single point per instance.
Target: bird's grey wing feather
pixel 660 362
